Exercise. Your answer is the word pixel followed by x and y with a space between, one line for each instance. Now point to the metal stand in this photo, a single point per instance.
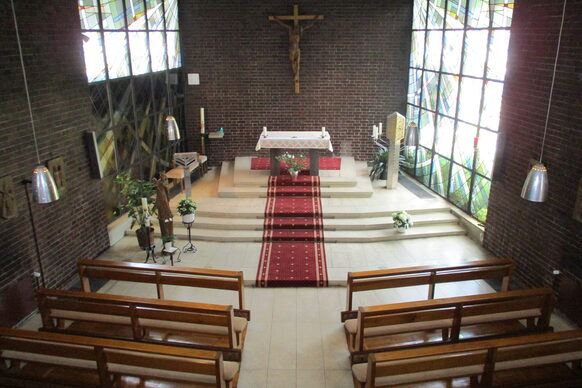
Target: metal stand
pixel 189 247
pixel 151 249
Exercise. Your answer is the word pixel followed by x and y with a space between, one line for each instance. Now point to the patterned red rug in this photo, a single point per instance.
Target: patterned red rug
pixel 325 163
pixel 293 253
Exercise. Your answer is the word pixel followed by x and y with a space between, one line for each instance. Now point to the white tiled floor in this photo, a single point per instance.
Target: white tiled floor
pixel 295 337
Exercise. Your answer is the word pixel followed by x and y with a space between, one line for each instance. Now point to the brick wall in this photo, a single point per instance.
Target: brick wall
pixel 541 236
pixel 353 70
pixel 74 226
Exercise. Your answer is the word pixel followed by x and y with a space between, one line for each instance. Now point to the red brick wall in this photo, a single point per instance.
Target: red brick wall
pixel 541 236
pixel 353 70
pixel 74 226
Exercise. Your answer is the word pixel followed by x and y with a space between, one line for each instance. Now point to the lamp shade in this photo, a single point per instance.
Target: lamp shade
pixel 535 187
pixel 411 136
pixel 44 189
pixel 173 130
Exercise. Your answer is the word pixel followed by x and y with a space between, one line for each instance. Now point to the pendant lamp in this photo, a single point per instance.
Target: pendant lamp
pixel 535 187
pixel 44 189
pixel 411 136
pixel 171 124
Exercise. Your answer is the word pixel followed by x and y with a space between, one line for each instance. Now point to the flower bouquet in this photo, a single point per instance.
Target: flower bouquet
pixel 402 221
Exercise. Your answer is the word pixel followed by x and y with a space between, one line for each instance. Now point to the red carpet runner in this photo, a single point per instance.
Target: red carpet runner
pixel 325 163
pixel 293 253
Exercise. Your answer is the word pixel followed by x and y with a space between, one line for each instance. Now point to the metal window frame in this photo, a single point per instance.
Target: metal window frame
pixel 440 72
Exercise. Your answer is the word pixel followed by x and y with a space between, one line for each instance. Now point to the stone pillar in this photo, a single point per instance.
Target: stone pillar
pixel 395 134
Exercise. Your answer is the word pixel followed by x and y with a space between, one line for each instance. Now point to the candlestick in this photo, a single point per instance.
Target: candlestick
pixel 380 129
pixel 322 131
pixel 202 124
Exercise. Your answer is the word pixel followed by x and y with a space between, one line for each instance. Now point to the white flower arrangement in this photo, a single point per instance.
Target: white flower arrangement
pixel 402 220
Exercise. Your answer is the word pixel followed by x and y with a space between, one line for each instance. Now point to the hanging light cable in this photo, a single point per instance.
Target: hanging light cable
pixel 44 189
pixel 535 187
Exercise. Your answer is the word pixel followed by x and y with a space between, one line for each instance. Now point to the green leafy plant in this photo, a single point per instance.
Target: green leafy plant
pixel 379 165
pixel 133 190
pixel 167 239
pixel 294 163
pixel 186 206
pixel 402 220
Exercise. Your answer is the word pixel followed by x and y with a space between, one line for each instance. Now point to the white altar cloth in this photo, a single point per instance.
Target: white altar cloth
pixel 295 139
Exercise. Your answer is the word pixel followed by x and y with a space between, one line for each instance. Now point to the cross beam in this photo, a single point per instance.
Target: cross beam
pixel 296 17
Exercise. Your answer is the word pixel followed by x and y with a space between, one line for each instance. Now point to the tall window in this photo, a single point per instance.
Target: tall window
pixel 129 37
pixel 457 68
pixel 132 58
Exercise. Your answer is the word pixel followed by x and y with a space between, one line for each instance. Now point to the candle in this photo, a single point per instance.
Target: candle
pixel 322 131
pixel 265 131
pixel 374 132
pixel 144 204
pixel 202 126
pixel 380 129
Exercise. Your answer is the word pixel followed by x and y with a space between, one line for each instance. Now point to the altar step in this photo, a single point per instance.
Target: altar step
pixel 338 227
pixel 354 186
pixel 345 176
pixel 331 236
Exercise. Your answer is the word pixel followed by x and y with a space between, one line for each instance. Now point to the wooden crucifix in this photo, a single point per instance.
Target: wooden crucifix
pixel 295 32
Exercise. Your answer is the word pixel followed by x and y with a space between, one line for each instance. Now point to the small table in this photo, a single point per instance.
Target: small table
pixel 312 140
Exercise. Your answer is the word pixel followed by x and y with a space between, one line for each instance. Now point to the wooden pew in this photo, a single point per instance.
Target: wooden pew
pixel 40 359
pixel 203 326
pixel 428 275
pixel 538 360
pixel 448 320
pixel 161 275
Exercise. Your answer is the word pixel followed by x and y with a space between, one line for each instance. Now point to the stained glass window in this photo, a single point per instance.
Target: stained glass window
pixel 457 68
pixel 131 48
pixel 129 37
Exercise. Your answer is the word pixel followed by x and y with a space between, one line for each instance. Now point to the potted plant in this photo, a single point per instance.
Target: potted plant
pixel 187 209
pixel 140 206
pixel 402 221
pixel 294 163
pixel 168 242
pixel 380 165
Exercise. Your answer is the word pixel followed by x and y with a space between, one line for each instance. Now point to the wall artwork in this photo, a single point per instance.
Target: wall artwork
pixel 102 153
pixel 8 205
pixel 56 167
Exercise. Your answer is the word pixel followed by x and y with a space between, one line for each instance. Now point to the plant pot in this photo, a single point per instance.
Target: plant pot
pixel 145 237
pixel 401 229
pixel 294 175
pixel 384 174
pixel 168 246
pixel 188 218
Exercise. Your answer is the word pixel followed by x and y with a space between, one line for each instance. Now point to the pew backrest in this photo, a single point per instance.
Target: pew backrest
pixel 429 276
pixel 161 275
pixel 450 315
pixel 480 360
pixel 103 361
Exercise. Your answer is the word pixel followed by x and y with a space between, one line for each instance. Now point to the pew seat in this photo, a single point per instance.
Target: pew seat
pixel 203 326
pixel 41 359
pixel 162 275
pixel 448 320
pixel 537 360
pixel 427 275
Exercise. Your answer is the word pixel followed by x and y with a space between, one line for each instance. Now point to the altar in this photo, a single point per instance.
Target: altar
pixel 314 141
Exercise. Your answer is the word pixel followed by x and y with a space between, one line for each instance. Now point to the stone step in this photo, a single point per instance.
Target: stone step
pixel 331 236
pixel 228 189
pixel 244 176
pixel 221 211
pixel 352 223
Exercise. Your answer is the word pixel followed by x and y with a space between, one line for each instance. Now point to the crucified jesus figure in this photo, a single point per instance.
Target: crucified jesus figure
pixel 295 33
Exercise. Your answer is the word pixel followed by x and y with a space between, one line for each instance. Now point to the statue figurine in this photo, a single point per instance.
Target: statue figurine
pixel 165 216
